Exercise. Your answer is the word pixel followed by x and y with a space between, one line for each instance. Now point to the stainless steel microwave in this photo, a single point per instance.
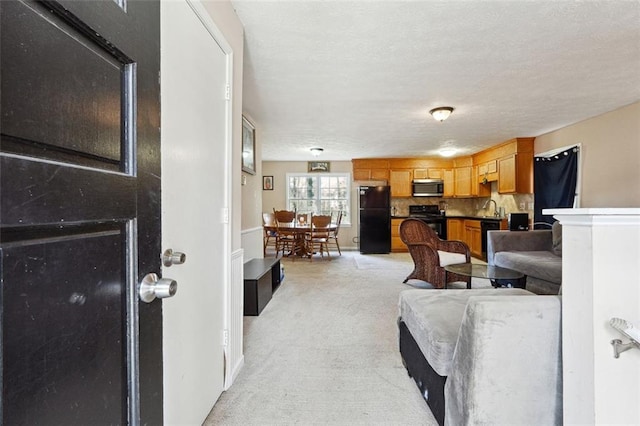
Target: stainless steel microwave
pixel 428 187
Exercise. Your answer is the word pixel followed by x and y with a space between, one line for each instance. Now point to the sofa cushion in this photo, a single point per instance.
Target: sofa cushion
pixel 539 264
pixel 434 316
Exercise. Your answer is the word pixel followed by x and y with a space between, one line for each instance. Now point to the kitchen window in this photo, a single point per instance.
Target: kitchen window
pixel 316 193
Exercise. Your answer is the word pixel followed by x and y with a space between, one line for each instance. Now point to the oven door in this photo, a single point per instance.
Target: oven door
pixel 439 225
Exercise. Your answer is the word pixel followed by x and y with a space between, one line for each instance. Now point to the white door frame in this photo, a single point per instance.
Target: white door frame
pixel 226 214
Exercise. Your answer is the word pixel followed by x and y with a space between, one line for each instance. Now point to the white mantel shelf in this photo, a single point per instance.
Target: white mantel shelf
pixel 596 216
pixel 600 280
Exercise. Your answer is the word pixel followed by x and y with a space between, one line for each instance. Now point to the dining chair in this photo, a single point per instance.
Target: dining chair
pixel 285 239
pixel 318 236
pixel 270 236
pixel 333 234
pixel 430 254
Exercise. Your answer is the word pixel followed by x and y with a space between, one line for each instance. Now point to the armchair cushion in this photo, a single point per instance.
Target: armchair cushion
pixel 448 258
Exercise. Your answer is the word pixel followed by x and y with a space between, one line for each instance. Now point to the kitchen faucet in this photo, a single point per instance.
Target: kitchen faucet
pixel 496 213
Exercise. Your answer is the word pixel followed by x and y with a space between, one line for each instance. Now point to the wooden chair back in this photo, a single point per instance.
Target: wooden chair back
pixel 320 221
pixel 268 219
pixel 284 216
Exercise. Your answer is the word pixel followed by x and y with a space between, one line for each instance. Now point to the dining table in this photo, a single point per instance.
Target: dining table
pixel 299 231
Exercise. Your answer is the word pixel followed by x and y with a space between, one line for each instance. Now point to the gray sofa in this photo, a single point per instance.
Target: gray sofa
pixel 537 254
pixel 484 357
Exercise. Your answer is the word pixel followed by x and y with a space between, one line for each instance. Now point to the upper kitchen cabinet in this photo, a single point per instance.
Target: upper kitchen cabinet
pixel 449 183
pixel 371 169
pixel 515 174
pixel 432 173
pixel 511 162
pixel 462 181
pixel 400 182
pixel 488 171
pixel 478 188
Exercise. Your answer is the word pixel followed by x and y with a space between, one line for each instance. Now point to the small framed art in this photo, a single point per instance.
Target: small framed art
pixel 267 183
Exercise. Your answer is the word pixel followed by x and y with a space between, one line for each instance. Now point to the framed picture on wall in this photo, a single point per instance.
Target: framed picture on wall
pixel 267 183
pixel 317 166
pixel 248 147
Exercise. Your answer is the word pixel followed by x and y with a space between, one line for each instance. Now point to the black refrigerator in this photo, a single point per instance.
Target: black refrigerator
pixel 375 219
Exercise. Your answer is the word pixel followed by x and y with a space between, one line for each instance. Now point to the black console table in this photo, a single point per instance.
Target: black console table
pixel 261 279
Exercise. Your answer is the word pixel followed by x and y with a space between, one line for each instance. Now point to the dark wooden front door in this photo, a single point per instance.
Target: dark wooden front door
pixel 80 212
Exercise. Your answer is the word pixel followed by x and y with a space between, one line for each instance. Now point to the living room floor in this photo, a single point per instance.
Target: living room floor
pixel 325 349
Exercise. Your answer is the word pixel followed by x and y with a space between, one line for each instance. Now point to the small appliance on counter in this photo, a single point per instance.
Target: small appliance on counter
pixel 518 221
pixel 375 219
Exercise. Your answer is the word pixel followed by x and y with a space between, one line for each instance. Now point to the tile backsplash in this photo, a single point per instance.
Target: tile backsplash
pixel 512 203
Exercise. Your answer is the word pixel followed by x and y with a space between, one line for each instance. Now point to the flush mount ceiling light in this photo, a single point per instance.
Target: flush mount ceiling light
pixel 316 151
pixel 448 152
pixel 441 113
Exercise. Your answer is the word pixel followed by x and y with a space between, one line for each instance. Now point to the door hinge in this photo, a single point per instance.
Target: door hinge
pixel 225 337
pixel 227 92
pixel 225 215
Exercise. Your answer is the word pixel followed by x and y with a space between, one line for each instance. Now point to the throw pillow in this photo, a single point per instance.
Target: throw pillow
pixel 556 238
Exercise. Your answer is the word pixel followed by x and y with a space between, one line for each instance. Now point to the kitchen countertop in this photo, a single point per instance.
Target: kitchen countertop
pixel 491 218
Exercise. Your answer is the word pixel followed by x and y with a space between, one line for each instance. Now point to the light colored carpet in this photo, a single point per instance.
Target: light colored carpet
pixel 325 350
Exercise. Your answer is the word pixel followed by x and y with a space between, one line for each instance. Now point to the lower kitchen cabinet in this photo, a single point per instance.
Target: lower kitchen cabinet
pixel 473 237
pixel 397 246
pixel 455 229
pixel 467 230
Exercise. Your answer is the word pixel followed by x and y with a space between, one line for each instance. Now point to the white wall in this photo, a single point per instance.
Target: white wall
pixel 610 156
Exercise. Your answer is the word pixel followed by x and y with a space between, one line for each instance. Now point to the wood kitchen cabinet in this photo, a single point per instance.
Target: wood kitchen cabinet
pixel 515 174
pixel 397 246
pixel 447 176
pixel 400 182
pixel 455 229
pixel 421 173
pixel 479 189
pixel 473 237
pixel 462 181
pixel 374 169
pixel 371 174
pixel 428 173
pixel 488 170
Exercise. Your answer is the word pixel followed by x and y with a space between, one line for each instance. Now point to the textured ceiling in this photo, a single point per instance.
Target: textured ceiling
pixel 358 78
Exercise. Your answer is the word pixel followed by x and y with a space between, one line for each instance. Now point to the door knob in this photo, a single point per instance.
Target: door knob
pixel 152 287
pixel 169 257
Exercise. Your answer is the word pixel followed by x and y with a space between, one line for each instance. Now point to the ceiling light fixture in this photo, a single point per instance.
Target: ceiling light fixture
pixel 448 152
pixel 441 113
pixel 316 151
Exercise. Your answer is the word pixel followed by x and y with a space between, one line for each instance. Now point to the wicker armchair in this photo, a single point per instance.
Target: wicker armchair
pixel 424 244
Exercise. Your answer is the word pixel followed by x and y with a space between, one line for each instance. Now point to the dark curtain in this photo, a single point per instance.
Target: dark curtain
pixel 554 181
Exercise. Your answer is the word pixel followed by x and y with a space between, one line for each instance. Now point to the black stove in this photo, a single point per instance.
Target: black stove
pixel 421 211
pixel 432 216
